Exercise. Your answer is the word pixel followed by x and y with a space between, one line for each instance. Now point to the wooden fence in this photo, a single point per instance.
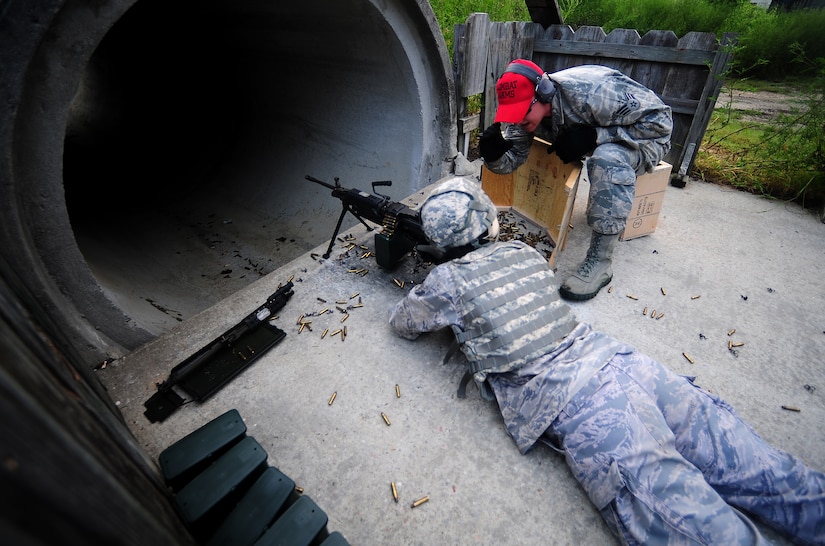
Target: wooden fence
pixel 687 73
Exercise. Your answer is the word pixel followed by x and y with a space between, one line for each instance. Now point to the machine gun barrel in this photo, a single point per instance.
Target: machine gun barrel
pixel 402 225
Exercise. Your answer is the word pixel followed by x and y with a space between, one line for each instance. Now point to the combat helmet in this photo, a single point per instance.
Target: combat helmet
pixel 458 213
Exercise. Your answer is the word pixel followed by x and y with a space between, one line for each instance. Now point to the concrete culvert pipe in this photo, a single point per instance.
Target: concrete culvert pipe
pixel 154 153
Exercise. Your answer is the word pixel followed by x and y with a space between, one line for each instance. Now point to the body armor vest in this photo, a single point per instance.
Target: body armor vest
pixel 511 307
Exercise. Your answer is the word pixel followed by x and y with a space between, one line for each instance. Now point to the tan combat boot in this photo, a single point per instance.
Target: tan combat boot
pixel 594 272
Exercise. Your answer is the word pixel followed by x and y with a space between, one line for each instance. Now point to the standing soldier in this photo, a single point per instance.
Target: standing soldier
pixel 585 110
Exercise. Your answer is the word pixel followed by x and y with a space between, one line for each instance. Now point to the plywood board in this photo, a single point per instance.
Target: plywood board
pixel 542 190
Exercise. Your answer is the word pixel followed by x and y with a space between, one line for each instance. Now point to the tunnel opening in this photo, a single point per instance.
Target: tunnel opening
pixel 158 110
pixel 192 126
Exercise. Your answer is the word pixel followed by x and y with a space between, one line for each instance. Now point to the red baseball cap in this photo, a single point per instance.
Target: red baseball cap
pixel 515 92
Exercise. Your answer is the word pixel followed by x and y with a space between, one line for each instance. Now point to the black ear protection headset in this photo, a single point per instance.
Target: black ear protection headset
pixel 545 88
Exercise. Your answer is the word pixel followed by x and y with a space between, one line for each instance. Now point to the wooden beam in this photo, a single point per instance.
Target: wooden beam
pixel 625 51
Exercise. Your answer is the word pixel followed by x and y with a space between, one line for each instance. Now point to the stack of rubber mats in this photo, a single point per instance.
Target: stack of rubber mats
pixel 226 494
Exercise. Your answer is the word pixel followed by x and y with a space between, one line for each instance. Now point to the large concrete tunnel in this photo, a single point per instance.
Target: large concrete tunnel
pixel 154 153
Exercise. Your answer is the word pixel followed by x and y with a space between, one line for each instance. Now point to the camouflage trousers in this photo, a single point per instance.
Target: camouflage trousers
pixel 666 462
pixel 612 170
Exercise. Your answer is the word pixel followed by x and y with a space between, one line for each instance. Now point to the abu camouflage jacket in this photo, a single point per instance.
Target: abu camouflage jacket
pixel 619 108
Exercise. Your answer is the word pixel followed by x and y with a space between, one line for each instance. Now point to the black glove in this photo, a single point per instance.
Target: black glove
pixel 574 143
pixel 491 144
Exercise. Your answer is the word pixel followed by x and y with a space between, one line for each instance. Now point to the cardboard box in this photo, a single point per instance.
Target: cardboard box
pixel 543 191
pixel 650 193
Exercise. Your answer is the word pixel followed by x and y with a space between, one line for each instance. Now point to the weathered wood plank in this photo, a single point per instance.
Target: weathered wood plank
pixel 653 74
pixel 687 82
pixel 544 12
pixel 587 34
pixel 623 37
pixel 508 41
pixel 551 58
pixel 473 55
pixel 70 463
pixel 637 52
pixel 707 102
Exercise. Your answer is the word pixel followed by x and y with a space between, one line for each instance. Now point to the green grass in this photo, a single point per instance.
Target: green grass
pixel 780 156
pixel 450 13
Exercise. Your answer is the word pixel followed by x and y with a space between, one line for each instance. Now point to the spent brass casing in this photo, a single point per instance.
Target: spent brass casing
pixel 631 296
pixel 394 491
pixel 385 418
pixel 354 295
pixel 419 502
pixel 345 317
pixel 687 356
pixel 332 398
pixel 397 391
pixel 291 277
pixel 695 297
pixel 664 292
pixel 738 344
pixel 324 333
pixel 644 312
pixel 791 408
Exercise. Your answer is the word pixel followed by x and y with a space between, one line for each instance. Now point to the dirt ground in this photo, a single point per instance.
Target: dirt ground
pixel 760 105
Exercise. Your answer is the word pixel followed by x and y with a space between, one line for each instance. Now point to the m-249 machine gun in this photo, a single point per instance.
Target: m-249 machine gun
pixel 209 369
pixel 402 229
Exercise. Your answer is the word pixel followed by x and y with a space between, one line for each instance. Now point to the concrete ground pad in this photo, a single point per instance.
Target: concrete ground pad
pixel 720 260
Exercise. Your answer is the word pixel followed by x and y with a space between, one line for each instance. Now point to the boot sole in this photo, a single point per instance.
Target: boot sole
pixel 572 296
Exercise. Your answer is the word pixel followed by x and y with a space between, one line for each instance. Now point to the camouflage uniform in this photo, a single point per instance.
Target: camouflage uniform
pixel 662 460
pixel 633 128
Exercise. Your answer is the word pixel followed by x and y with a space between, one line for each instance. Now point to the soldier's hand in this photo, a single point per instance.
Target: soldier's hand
pixel 492 144
pixel 573 144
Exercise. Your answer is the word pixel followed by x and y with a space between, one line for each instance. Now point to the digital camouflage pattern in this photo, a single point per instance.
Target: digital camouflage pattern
pixel 633 128
pixel 664 461
pixel 456 213
pixel 539 390
pixel 512 312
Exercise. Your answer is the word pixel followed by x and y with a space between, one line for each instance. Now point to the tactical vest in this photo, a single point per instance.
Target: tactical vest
pixel 511 308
